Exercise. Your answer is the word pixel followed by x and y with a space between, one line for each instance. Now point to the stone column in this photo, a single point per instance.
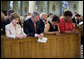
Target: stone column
pixel 60 7
pixel 15 6
pixel 21 8
pixel 25 5
pixel 48 7
pixel 32 6
pixel 80 7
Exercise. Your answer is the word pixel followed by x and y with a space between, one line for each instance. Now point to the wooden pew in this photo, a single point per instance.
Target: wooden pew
pixel 61 46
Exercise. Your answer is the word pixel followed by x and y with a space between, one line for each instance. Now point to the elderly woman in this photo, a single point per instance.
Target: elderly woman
pixel 52 27
pixel 14 30
pixel 66 25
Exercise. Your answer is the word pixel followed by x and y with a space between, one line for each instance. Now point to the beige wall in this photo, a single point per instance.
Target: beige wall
pixel 20 6
pixel 71 3
pixel 42 6
pixel 80 8
pixel 57 7
pixel 25 5
pixel 48 8
pixel 15 6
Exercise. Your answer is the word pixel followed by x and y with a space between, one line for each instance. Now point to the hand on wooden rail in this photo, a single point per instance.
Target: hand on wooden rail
pixel 57 33
pixel 20 36
pixel 40 36
pixel 75 31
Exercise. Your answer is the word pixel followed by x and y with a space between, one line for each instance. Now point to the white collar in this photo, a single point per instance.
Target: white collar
pixel 13 25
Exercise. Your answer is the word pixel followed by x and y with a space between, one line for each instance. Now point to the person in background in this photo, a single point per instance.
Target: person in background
pixel 22 19
pixel 52 27
pixel 50 16
pixel 25 16
pixel 30 26
pixel 42 21
pixel 2 23
pixel 75 20
pixel 80 23
pixel 80 18
pixel 74 14
pixel 29 16
pixel 14 30
pixel 8 20
pixel 5 12
pixel 66 25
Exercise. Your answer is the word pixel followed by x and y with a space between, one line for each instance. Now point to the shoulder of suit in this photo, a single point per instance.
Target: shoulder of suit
pixel 73 18
pixel 7 19
pixel 28 20
pixel 40 20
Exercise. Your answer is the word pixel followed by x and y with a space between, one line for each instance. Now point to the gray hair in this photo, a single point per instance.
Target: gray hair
pixel 34 14
pixel 42 14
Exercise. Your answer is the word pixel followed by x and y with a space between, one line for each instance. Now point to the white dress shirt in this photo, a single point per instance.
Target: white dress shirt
pixel 11 32
pixel 28 17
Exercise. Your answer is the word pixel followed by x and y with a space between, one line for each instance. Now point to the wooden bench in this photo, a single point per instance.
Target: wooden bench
pixel 61 46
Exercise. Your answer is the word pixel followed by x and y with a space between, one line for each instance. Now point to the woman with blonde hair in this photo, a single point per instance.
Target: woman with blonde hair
pixel 14 30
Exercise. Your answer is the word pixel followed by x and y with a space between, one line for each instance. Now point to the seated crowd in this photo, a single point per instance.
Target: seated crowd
pixel 36 25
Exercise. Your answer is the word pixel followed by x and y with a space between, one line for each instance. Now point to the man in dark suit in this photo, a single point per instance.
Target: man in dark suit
pixel 76 19
pixel 31 27
pixel 41 25
pixel 42 21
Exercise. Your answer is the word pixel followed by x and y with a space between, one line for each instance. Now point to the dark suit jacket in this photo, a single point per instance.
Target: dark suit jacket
pixel 7 21
pixel 41 25
pixel 2 27
pixel 74 21
pixel 4 23
pixel 29 27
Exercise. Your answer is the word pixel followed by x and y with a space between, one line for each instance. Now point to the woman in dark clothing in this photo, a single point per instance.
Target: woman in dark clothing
pixel 76 20
pixel 2 23
pixel 52 27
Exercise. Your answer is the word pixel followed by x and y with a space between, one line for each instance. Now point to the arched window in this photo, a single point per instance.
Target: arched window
pixel 11 5
pixel 65 6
